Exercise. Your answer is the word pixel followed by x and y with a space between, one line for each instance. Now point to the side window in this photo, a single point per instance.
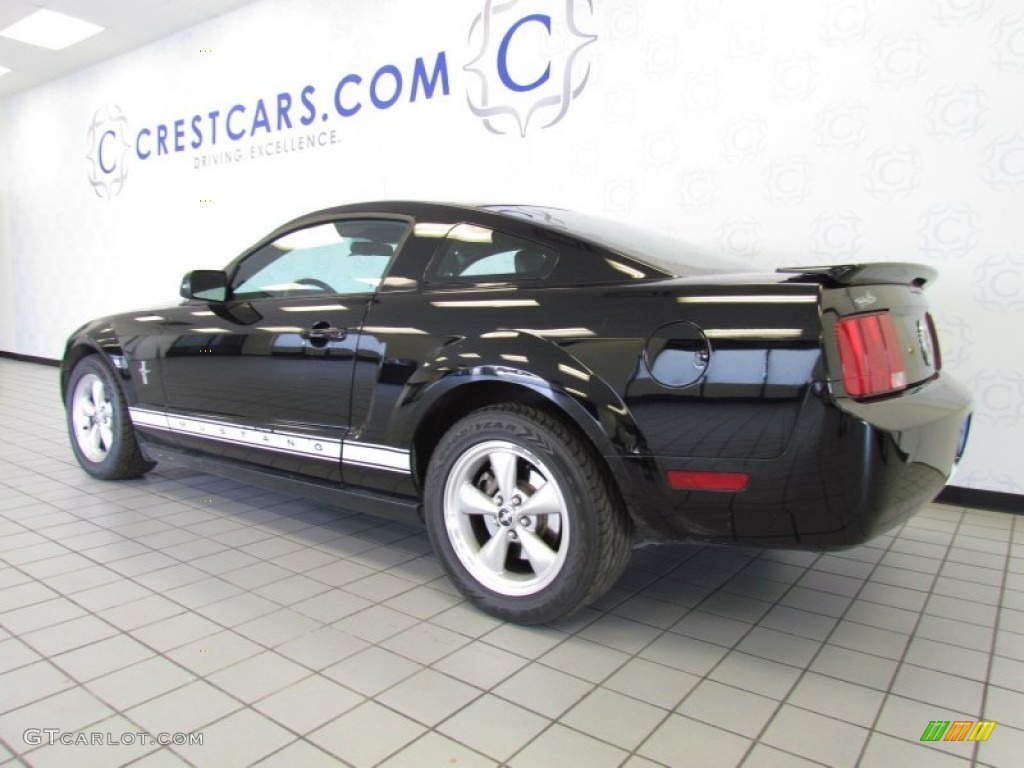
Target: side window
pixel 474 254
pixel 347 256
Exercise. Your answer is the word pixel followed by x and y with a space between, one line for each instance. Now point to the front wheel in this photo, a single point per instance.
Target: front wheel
pixel 98 423
pixel 521 515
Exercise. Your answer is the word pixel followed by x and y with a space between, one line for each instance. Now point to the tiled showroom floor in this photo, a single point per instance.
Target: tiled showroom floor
pixel 300 636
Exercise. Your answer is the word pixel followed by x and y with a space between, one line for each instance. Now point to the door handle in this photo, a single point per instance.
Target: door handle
pixel 323 332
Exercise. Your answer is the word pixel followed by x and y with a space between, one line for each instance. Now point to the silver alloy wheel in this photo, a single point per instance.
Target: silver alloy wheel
pixel 506 518
pixel 93 417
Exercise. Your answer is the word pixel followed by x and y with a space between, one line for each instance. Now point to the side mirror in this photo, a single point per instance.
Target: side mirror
pixel 205 285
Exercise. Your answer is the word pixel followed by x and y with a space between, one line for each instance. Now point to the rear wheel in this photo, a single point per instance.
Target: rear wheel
pixel 98 423
pixel 522 516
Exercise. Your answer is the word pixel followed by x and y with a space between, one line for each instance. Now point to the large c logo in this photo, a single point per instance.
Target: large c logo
pixel 527 63
pixel 108 151
pixel 99 154
pixel 503 72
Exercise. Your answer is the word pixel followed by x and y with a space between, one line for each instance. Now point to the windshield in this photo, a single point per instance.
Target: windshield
pixel 667 254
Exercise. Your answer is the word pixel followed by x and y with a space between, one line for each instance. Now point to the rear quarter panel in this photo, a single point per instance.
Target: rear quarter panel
pixel 586 347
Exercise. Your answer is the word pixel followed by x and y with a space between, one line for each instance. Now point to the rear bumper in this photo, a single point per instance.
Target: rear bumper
pixel 852 471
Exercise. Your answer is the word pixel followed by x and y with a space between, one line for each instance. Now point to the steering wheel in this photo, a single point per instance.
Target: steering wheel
pixel 315 283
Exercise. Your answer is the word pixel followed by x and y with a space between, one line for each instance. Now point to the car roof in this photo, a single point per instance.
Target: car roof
pixel 670 256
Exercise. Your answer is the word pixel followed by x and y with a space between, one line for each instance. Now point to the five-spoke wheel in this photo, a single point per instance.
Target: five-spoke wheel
pixel 506 518
pixel 92 416
pixel 522 515
pixel 102 437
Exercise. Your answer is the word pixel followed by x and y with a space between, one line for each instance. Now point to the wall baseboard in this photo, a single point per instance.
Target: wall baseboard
pixel 994 501
pixel 30 359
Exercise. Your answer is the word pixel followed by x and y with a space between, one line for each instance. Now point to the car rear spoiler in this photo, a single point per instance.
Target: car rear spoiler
pixel 873 273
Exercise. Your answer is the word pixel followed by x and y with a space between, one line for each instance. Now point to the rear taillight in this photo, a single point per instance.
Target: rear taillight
pixel 870 355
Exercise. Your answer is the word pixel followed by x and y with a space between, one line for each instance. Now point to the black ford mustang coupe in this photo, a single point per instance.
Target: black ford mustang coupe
pixel 541 388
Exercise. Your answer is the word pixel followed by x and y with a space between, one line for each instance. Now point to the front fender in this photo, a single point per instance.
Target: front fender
pixel 96 338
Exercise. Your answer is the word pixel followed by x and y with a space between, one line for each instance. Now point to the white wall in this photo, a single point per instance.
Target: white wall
pixel 792 132
pixel 6 267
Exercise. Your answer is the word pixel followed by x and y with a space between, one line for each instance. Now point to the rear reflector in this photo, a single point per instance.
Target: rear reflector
pixel 707 481
pixel 871 355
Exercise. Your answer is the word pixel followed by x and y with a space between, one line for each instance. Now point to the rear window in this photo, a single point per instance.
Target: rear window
pixel 673 257
pixel 474 254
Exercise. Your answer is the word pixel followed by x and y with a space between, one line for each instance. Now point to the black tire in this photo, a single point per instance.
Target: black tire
pixel 110 452
pixel 466 515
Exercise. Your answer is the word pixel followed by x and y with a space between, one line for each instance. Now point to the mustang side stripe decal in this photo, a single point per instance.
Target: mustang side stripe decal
pixel 379 456
pixel 143 418
pixel 329 449
pixel 226 432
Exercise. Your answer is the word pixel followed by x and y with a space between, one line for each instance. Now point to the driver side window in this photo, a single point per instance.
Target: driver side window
pixel 339 257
